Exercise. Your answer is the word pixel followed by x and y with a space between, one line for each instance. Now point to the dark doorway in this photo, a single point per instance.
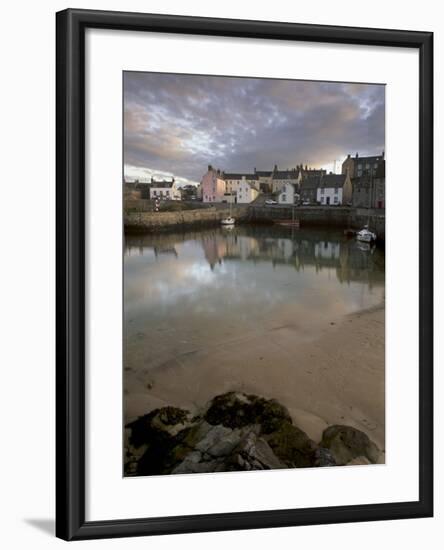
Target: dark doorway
pixel 328 200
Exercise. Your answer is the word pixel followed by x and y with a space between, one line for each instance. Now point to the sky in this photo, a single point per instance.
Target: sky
pixel 176 125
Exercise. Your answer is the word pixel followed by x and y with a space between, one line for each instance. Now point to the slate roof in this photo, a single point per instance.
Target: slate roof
pixel 376 158
pixel 162 184
pixel 229 176
pixel 310 182
pixel 285 174
pixel 313 172
pixel 332 180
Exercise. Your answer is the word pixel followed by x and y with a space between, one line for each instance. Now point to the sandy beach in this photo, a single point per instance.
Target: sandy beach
pixel 334 377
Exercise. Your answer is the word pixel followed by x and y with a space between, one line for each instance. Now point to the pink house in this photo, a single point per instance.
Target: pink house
pixel 213 185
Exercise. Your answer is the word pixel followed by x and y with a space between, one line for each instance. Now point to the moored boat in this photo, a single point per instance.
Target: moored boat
pixel 230 220
pixel 365 235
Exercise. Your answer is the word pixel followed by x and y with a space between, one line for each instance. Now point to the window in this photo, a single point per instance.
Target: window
pixel 322 191
pixel 336 200
pixel 336 190
pixel 359 166
pixel 359 173
pixel 284 197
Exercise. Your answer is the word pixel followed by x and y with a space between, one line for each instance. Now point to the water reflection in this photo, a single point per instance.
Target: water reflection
pixel 300 249
pixel 201 288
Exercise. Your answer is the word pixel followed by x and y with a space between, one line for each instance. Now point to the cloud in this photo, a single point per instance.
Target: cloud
pixel 178 124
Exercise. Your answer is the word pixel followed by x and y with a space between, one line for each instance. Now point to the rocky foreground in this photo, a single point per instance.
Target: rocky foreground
pixel 236 432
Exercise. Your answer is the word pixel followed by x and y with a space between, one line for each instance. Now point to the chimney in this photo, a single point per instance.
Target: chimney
pixel 356 155
pixel 210 168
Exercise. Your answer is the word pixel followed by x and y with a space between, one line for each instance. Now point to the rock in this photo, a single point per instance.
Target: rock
pixel 194 464
pixel 323 457
pixel 236 432
pixel 167 421
pixel 237 410
pixel 219 441
pixel 292 446
pixel 347 443
pixel 253 453
pixel 152 439
pixel 359 461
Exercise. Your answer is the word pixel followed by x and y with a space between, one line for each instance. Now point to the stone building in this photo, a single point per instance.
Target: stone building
pixel 358 166
pixel 219 186
pixel 334 189
pixel 264 180
pixel 234 180
pixel 281 177
pixel 369 189
pixel 309 188
pixel 307 172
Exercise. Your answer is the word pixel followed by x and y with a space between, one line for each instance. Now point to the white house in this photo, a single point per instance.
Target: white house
pixel 287 194
pixel 334 189
pixel 245 192
pixel 164 190
pixel 232 181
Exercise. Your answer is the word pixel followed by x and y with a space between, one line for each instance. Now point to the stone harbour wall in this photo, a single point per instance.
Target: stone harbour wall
pixel 164 221
pixel 341 217
pixel 327 216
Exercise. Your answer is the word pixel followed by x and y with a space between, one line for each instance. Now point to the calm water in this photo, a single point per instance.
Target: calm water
pixel 190 290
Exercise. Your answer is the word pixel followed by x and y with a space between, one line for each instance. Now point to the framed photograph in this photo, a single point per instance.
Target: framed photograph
pixel 244 274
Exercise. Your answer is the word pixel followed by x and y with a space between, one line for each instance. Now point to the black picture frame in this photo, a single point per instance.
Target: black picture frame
pixel 70 275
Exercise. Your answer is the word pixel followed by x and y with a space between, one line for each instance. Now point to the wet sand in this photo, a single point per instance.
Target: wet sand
pixel 334 377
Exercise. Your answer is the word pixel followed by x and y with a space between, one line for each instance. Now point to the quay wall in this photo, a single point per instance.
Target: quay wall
pixel 164 221
pixel 336 216
pixel 341 217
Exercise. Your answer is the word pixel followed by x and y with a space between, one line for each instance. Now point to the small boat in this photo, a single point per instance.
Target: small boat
pixel 230 220
pixel 365 235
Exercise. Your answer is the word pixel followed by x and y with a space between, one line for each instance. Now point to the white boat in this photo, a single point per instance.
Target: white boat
pixel 230 220
pixel 365 235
